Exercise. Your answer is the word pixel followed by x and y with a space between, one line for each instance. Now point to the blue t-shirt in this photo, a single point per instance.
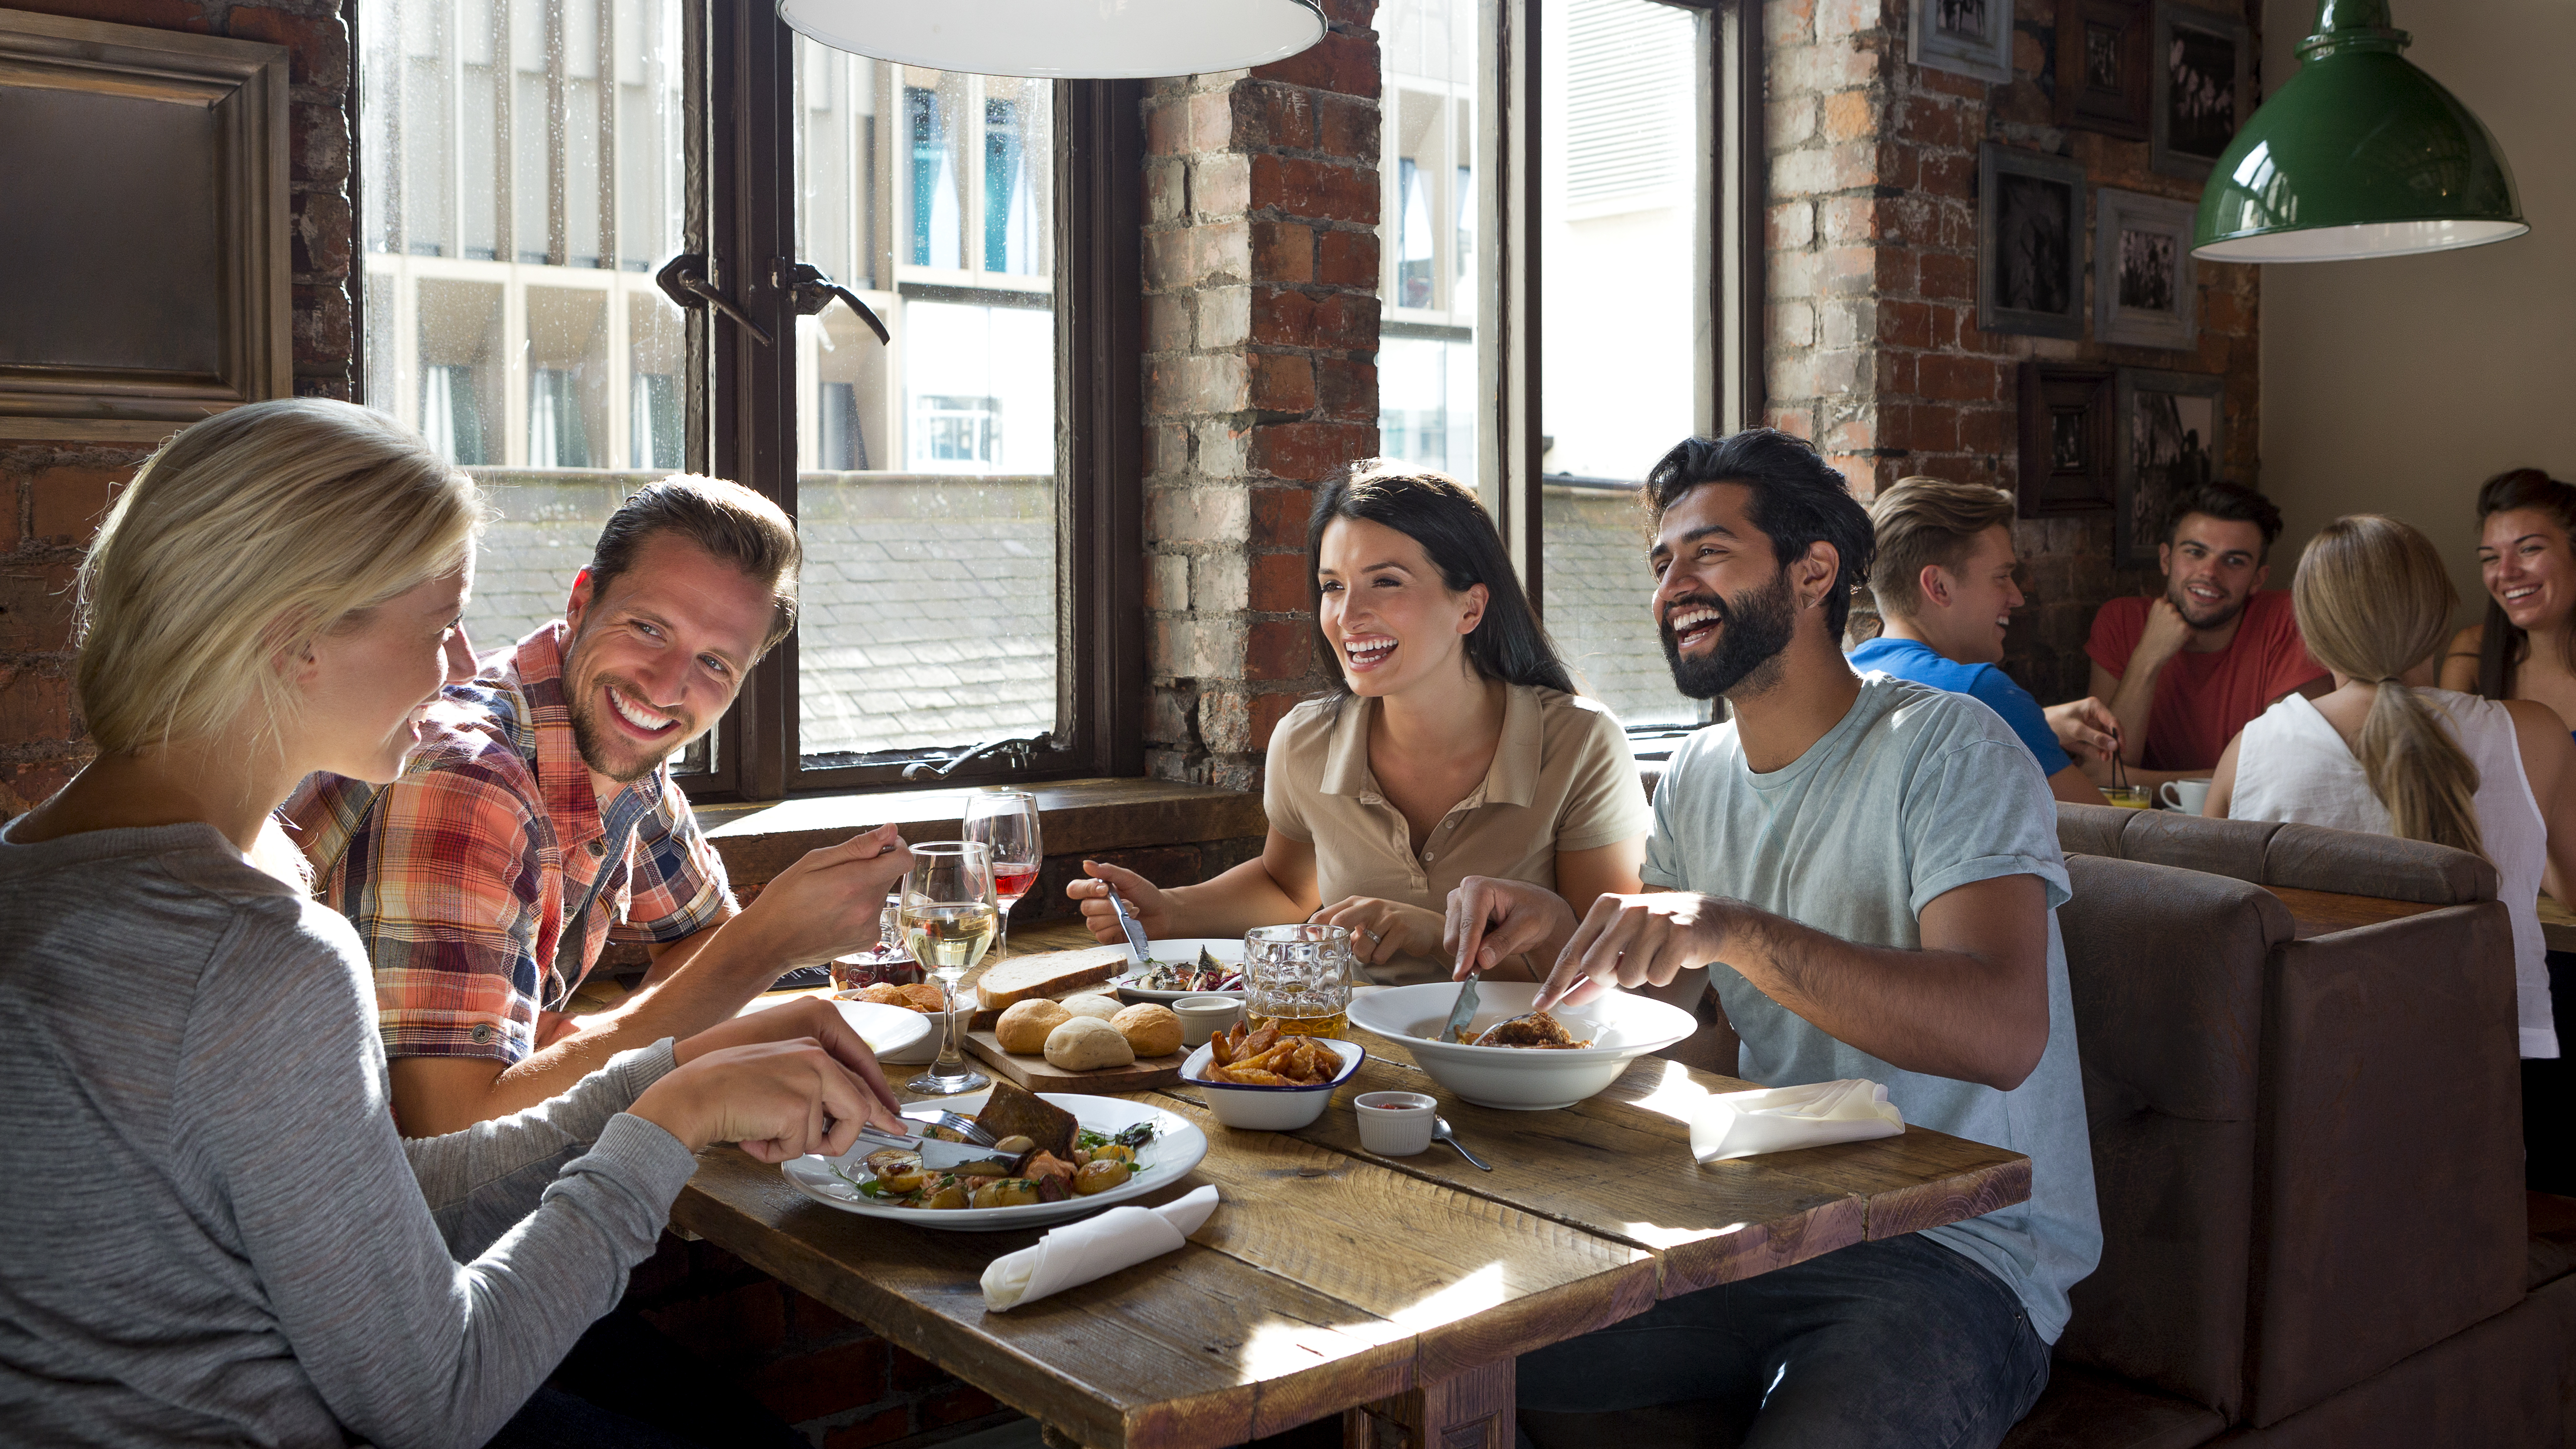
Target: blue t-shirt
pixel 1913 659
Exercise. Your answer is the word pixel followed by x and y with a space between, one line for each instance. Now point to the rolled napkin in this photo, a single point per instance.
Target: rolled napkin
pixel 1094 1248
pixel 1775 1119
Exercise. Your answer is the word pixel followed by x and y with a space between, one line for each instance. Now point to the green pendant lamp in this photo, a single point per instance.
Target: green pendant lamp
pixel 2359 155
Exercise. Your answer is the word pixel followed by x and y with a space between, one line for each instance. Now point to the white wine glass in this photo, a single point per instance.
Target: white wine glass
pixel 1006 823
pixel 949 917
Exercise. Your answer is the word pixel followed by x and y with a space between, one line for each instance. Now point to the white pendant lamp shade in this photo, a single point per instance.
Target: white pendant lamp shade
pixel 1064 39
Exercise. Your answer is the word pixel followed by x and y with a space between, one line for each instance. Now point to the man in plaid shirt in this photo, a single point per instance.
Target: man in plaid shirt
pixel 538 820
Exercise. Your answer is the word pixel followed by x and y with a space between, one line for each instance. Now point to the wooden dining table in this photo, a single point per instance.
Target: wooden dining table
pixel 1395 1293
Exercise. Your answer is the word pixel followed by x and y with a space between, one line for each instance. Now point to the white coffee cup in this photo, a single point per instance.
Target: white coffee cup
pixel 1395 1124
pixel 2186 796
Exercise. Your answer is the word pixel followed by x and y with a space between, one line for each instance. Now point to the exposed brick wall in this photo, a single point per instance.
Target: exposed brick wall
pixel 1873 347
pixel 53 493
pixel 1261 269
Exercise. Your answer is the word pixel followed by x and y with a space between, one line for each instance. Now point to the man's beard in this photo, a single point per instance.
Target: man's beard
pixel 591 735
pixel 1752 629
pixel 2184 604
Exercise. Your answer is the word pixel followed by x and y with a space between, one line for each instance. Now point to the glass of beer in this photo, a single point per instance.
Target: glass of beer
pixel 1298 978
pixel 949 916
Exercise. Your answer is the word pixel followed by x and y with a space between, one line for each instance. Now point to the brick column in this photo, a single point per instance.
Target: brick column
pixel 1261 279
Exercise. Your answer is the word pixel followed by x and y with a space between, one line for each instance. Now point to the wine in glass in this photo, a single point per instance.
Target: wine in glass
pixel 1006 823
pixel 949 918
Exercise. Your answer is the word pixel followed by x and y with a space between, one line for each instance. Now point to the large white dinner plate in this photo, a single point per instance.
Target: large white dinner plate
pixel 1620 1026
pixel 1177 1147
pixel 1184 949
pixel 893 1033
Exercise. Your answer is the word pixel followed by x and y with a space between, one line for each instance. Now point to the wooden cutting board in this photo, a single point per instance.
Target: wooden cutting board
pixel 1040 1075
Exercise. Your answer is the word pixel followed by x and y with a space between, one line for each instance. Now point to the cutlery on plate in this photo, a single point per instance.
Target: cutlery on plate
pixel 1135 932
pixel 933 1152
pixel 1463 1011
pixel 967 1127
pixel 1440 1133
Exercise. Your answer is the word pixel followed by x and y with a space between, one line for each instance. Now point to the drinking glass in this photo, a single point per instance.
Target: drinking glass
pixel 1006 823
pixel 1298 979
pixel 948 919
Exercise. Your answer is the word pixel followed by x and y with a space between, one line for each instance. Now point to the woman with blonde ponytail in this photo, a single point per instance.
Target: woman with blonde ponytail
pixel 2388 754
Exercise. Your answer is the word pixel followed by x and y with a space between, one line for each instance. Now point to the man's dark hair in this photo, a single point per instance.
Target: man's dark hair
pixel 2233 502
pixel 729 521
pixel 1797 500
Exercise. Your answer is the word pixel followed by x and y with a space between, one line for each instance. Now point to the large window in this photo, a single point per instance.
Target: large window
pixel 529 166
pixel 1604 317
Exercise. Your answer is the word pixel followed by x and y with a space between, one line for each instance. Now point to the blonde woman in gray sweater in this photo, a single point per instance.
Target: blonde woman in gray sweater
pixel 210 1232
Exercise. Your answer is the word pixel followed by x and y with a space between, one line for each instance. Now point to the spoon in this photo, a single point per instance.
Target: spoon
pixel 1440 1133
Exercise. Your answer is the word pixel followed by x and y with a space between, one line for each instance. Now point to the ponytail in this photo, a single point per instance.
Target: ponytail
pixel 2418 770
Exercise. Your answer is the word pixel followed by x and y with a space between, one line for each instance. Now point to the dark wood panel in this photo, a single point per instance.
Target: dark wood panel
pixel 1075 816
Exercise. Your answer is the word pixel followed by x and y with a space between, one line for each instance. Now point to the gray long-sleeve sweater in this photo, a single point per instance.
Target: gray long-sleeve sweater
pixel 210 1232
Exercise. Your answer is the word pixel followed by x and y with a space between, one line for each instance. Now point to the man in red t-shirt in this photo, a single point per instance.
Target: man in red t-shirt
pixel 2186 671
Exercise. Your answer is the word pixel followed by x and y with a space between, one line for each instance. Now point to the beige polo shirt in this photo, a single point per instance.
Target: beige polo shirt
pixel 1562 779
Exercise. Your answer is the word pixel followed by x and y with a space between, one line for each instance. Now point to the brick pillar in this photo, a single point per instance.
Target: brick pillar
pixel 1261 276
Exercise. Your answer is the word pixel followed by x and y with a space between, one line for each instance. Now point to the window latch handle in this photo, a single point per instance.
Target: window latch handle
pixel 812 291
pixel 683 279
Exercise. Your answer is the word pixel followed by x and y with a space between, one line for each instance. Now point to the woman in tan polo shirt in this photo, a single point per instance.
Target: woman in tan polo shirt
pixel 1454 745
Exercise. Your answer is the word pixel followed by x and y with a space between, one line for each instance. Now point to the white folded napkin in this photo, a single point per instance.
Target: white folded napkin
pixel 1094 1248
pixel 1775 1119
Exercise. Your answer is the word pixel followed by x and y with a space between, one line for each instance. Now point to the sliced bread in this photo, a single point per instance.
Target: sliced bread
pixel 1023 977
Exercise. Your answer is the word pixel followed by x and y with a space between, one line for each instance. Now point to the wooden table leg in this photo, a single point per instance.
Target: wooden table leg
pixel 1470 1410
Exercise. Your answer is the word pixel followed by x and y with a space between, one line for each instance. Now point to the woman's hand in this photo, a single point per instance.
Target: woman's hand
pixel 810 1018
pixel 779 1099
pixel 1145 901
pixel 1382 930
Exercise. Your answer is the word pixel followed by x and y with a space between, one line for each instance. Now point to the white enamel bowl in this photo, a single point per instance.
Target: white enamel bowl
pixel 1177 1147
pixel 1622 1028
pixel 1269 1109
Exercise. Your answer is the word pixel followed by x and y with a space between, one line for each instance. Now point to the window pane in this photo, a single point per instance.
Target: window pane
pixel 926 484
pixel 1619 270
pixel 1427 351
pixel 505 321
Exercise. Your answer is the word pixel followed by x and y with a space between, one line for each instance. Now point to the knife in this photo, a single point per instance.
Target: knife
pixel 934 1153
pixel 1463 1012
pixel 1127 923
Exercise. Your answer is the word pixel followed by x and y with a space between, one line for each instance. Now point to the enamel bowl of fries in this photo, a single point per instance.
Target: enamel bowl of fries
pixel 1266 1082
pixel 1514 1057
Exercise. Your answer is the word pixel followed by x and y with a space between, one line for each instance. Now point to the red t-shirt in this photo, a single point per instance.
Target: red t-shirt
pixel 2202 700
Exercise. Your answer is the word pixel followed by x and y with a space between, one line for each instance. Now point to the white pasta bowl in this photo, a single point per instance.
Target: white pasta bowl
pixel 1269 1109
pixel 1621 1027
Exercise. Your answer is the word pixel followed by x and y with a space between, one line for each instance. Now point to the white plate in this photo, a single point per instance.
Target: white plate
pixel 1228 949
pixel 1622 1028
pixel 894 1034
pixel 1177 1147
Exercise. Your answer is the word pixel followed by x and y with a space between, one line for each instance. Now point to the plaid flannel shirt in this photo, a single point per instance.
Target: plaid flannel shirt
pixel 486 881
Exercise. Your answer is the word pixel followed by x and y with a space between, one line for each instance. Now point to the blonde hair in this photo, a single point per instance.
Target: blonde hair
pixel 246 537
pixel 1923 521
pixel 2374 601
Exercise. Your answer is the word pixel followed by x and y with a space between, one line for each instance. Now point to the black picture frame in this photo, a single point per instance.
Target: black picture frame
pixel 2172 433
pixel 2199 88
pixel 2102 66
pixel 2067 436
pixel 1966 37
pixel 2146 288
pixel 2030 243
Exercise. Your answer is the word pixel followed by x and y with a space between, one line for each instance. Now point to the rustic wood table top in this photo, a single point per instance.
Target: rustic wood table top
pixel 1395 1292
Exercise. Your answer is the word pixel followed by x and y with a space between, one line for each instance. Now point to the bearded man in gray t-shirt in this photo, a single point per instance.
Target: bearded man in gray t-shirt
pixel 1870 870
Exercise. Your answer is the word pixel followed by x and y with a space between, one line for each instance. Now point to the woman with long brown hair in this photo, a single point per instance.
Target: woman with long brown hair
pixel 2526 646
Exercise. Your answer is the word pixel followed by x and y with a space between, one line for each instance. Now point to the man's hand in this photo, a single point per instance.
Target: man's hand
pixel 1383 930
pixel 809 1018
pixel 829 903
pixel 1145 901
pixel 2165 635
pixel 1633 941
pixel 779 1099
pixel 2085 727
pixel 1491 920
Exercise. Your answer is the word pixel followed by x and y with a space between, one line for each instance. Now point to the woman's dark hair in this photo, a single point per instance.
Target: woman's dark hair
pixel 1797 500
pixel 1439 513
pixel 2501 644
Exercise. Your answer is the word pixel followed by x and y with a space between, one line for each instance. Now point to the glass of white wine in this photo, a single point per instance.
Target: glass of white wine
pixel 949 916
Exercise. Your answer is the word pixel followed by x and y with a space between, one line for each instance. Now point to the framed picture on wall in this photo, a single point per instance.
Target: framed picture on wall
pixel 2030 243
pixel 2199 88
pixel 2066 437
pixel 2102 66
pixel 1970 37
pixel 2172 435
pixel 2145 289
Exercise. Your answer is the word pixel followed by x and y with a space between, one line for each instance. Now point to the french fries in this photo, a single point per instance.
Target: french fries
pixel 1262 1059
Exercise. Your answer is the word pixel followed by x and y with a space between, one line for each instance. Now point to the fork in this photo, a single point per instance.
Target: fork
pixel 967 1126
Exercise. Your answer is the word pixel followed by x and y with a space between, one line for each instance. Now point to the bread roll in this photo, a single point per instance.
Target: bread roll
pixel 1086 1043
pixel 1024 1025
pixel 1154 1031
pixel 1103 1007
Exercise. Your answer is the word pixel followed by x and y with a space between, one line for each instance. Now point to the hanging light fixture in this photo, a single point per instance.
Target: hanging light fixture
pixel 2360 154
pixel 1064 39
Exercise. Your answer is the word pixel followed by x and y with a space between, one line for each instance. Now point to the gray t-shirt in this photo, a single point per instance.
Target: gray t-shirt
pixel 210 1232
pixel 1915 792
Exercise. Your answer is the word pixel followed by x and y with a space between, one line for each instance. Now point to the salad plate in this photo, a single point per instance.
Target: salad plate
pixel 1181 953
pixel 1178 1144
